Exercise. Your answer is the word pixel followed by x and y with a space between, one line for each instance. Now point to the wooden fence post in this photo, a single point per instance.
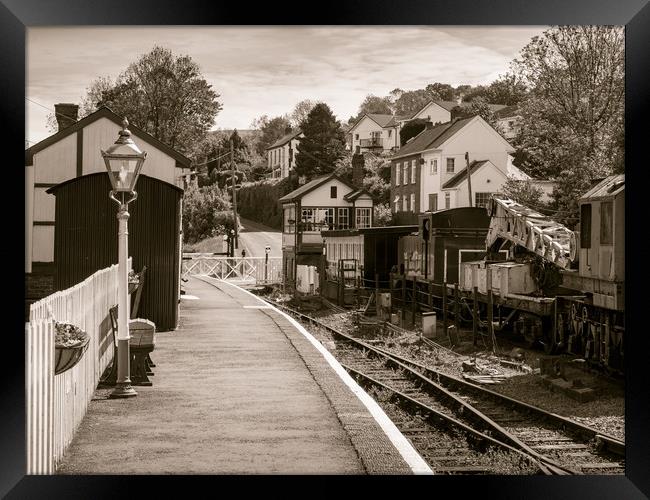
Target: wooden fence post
pixel 444 306
pixel 415 300
pixel 475 315
pixel 456 308
pixel 490 318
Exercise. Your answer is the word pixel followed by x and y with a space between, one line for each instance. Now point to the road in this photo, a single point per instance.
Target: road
pixel 254 237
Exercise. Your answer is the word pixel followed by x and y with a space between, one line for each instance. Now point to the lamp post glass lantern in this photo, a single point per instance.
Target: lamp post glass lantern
pixel 123 161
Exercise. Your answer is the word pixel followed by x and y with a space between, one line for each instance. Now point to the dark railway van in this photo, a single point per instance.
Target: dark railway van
pixel 444 240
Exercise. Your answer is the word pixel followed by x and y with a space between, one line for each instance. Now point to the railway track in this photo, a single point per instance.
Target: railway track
pixel 485 418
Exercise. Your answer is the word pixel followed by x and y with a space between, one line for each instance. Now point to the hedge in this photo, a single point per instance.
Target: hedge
pixel 258 201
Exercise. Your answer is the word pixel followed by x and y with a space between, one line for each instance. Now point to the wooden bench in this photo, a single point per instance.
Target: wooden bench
pixel 142 342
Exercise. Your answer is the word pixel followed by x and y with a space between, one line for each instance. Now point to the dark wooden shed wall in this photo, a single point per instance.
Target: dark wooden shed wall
pixel 85 239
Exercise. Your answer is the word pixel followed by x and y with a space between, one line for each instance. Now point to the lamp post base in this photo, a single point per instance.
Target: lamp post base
pixel 123 390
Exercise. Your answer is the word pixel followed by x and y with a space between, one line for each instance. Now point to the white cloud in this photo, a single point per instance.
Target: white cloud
pixel 267 70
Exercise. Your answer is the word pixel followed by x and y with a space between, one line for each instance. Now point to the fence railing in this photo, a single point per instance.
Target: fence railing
pixel 56 404
pixel 252 269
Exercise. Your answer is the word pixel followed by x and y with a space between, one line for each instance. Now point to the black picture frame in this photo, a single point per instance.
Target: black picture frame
pixel 17 15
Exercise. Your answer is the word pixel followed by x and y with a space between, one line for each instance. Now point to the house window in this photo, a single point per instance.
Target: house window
pixel 324 219
pixel 482 199
pixel 434 167
pixel 363 218
pixel 413 172
pixel 405 207
pixel 433 202
pixel 333 192
pixel 390 132
pixel 447 200
pixel 585 226
pixel 344 218
pixel 450 165
pixel 396 201
pixel 412 202
pixel 406 173
pixel 308 219
pixel 606 223
pixel 356 137
pixel 398 173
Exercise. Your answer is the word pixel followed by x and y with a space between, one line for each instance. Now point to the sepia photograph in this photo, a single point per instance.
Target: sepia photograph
pixel 345 250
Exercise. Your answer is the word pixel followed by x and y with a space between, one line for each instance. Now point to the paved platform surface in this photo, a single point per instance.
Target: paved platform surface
pixel 237 390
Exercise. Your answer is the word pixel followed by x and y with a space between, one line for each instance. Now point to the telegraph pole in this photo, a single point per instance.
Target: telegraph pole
pixel 469 178
pixel 234 195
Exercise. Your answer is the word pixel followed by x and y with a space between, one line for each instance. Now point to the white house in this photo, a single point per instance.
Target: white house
pixel 326 202
pixel 75 151
pixel 430 171
pixel 508 121
pixel 281 155
pixel 375 133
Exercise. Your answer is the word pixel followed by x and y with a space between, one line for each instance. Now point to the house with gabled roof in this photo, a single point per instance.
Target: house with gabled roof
pixel 68 164
pixel 429 172
pixel 375 133
pixel 508 121
pixel 327 202
pixel 282 153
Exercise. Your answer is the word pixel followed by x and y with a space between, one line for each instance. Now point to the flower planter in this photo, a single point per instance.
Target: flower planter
pixel 70 345
pixel 66 358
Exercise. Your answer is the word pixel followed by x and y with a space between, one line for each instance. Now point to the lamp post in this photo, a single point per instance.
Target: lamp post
pixel 123 162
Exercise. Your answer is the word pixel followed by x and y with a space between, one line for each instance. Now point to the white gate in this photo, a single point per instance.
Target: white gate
pixel 258 270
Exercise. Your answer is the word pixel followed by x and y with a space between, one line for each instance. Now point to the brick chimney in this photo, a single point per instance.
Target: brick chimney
pixel 66 114
pixel 357 170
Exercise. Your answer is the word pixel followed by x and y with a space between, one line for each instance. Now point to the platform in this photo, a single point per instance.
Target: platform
pixel 239 388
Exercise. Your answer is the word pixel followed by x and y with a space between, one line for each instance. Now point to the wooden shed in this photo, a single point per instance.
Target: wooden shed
pixel 85 239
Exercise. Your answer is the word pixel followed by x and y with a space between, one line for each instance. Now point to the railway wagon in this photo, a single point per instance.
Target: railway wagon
pixel 584 313
pixel 591 322
pixel 444 240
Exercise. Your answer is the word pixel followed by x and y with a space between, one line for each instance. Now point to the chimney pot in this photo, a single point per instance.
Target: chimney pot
pixel 66 114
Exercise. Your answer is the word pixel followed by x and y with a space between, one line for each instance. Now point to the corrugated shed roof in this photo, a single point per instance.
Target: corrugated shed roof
pixel 432 138
pixel 284 139
pixel 462 175
pixel 610 186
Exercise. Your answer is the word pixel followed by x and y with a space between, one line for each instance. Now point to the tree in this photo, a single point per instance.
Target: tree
pixel 478 106
pixel 271 129
pixel 374 104
pixel 443 91
pixel 411 129
pixel 411 102
pixel 572 122
pixel 523 192
pixel 322 145
pixel 300 112
pixel 164 95
pixel 508 89
pixel 205 213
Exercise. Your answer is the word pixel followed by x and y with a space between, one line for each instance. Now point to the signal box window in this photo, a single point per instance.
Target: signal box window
pixel 606 223
pixel 585 226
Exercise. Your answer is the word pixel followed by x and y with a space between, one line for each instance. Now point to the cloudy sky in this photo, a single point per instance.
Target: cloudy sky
pixel 268 70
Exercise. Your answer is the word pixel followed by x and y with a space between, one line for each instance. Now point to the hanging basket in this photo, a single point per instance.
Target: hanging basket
pixel 70 345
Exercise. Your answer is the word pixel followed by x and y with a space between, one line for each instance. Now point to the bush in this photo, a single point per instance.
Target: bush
pixel 205 213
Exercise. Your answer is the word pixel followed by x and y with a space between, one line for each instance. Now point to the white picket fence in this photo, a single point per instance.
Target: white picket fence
pixel 57 404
